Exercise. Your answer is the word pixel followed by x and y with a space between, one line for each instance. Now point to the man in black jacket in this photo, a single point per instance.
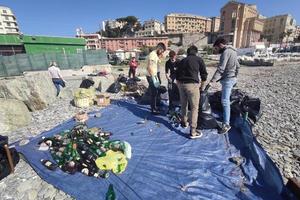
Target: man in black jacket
pixel 170 69
pixel 187 76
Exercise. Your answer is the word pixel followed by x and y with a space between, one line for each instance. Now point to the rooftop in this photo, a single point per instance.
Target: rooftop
pixel 187 15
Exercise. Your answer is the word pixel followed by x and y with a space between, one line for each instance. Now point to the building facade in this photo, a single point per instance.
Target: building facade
pixel 240 24
pixel 297 33
pixel 129 44
pixel 151 28
pixel 280 28
pixel 187 23
pixel 11 45
pixel 44 44
pixel 16 44
pixel 8 21
pixel 215 24
pixel 92 40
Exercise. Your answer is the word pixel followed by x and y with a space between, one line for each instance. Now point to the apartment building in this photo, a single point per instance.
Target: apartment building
pixel 215 24
pixel 187 23
pixel 151 28
pixel 280 28
pixel 92 40
pixel 8 22
pixel 240 24
pixel 129 44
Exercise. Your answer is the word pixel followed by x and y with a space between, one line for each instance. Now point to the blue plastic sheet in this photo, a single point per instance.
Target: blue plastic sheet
pixel 165 164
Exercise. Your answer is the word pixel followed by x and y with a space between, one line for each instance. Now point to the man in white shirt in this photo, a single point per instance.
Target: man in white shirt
pixel 152 77
pixel 56 76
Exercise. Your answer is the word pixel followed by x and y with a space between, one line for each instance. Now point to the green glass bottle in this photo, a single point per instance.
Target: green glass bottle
pixel 110 195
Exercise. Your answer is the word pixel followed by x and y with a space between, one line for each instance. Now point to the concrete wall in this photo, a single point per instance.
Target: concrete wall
pixel 197 39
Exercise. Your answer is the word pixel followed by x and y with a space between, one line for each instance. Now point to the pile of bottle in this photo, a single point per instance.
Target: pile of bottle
pixel 77 149
pixel 175 117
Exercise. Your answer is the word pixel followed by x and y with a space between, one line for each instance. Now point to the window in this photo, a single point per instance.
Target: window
pixel 222 26
pixel 8 24
pixel 0 23
pixel 6 18
pixel 4 11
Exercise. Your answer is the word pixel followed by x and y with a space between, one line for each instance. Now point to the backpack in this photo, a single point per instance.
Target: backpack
pixel 4 164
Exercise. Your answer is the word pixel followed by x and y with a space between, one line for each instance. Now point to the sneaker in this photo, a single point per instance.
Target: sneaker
pixel 183 124
pixel 196 134
pixel 225 128
pixel 155 112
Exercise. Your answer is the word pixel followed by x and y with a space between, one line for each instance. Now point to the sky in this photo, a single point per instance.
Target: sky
pixel 62 17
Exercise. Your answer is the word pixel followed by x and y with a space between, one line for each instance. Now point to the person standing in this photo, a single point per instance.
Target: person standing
pixel 187 75
pixel 152 78
pixel 132 67
pixel 226 73
pixel 170 69
pixel 56 77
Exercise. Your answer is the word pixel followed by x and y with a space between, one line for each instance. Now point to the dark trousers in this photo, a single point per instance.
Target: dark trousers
pixel 154 94
pixel 171 94
pixel 131 71
pixel 57 83
pixel 158 76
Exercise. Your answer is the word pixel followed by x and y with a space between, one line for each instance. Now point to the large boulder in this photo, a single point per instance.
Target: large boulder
pixel 36 90
pixel 102 83
pixel 13 114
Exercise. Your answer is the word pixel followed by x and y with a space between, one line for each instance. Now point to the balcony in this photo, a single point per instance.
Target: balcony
pixel 7 14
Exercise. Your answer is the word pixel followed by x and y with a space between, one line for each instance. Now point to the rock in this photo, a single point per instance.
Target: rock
pixel 51 192
pixel 102 83
pixel 24 186
pixel 13 114
pixel 36 91
pixel 296 153
pixel 32 194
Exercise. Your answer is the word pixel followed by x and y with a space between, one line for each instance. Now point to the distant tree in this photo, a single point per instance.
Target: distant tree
pixel 131 25
pixel 208 49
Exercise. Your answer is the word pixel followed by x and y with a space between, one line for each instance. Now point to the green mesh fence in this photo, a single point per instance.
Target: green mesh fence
pixel 17 64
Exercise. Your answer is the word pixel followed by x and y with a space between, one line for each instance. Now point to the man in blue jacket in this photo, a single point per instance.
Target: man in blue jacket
pixel 226 73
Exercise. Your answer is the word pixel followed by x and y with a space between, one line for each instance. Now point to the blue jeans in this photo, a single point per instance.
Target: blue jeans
pixel 227 85
pixel 57 83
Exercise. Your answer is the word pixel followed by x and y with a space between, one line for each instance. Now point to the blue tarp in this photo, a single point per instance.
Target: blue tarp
pixel 165 164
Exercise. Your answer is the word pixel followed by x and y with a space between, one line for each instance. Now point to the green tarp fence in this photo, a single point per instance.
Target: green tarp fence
pixel 17 64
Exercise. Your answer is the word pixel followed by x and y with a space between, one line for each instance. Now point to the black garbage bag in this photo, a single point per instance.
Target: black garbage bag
pixel 252 106
pixel 4 164
pixel 86 83
pixel 205 118
pixel 136 79
pixel 240 104
pixel 162 89
pixel 122 78
pixel 115 87
pixel 131 85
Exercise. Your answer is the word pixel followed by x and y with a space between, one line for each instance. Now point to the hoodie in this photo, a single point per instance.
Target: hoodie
pixel 228 66
pixel 189 69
